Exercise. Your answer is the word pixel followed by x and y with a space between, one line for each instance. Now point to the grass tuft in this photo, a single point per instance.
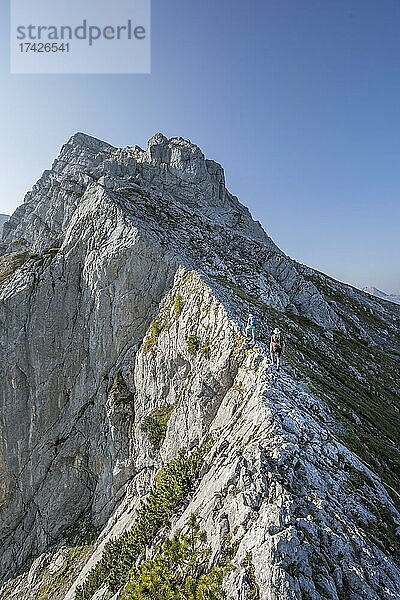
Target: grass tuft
pixel 155 425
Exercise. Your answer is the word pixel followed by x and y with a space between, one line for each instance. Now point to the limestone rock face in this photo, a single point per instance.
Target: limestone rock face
pixel 3 219
pixel 125 280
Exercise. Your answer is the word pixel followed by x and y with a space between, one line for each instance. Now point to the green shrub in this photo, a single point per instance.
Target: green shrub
pixel 180 571
pixel 174 484
pixel 10 263
pixel 155 424
pixel 50 252
pixel 156 328
pixel 206 349
pixel 178 305
pixel 193 343
pixel 119 391
pixel 39 259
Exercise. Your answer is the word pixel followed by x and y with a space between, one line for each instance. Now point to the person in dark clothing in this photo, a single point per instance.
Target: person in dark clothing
pixel 276 347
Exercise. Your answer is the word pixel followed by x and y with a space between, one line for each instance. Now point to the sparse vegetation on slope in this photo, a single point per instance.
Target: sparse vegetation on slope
pixel 119 391
pixel 58 582
pixel 179 571
pixel 156 328
pixel 155 424
pixel 357 381
pixel 178 305
pixel 174 484
pixel 10 263
pixel 193 343
pixel 54 585
pixel 356 378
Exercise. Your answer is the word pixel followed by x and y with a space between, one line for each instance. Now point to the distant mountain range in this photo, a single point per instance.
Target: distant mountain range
pixel 379 294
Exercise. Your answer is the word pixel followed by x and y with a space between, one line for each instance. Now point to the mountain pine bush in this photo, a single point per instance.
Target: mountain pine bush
pixel 174 484
pixel 179 571
pixel 155 425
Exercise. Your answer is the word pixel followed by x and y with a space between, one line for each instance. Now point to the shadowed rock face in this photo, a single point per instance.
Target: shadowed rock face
pixel 3 219
pixel 125 278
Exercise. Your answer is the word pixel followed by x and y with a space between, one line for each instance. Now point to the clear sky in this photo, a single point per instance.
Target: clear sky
pixel 298 99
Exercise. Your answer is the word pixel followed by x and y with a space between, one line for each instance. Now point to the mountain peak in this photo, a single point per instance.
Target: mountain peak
pixel 174 168
pixel 157 139
pixel 88 141
pixel 131 396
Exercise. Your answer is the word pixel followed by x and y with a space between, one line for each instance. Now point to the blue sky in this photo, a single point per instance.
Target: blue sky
pixel 298 99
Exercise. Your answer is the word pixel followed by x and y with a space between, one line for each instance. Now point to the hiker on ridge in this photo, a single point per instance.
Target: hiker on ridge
pixel 251 328
pixel 276 347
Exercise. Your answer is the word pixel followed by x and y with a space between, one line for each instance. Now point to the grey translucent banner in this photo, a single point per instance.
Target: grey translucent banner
pixel 80 36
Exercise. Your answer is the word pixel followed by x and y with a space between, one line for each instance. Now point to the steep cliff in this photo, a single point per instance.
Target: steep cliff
pixel 125 279
pixel 3 219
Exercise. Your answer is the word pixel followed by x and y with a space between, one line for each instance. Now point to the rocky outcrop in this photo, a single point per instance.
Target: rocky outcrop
pixel 126 277
pixel 3 219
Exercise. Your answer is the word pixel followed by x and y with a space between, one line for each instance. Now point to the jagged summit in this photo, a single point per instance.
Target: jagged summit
pixel 178 197
pixel 166 167
pixel 184 157
pixel 129 399
pixel 88 141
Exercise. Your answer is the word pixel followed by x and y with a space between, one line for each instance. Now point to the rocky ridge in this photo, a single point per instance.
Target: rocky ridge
pixel 373 291
pixel 125 277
